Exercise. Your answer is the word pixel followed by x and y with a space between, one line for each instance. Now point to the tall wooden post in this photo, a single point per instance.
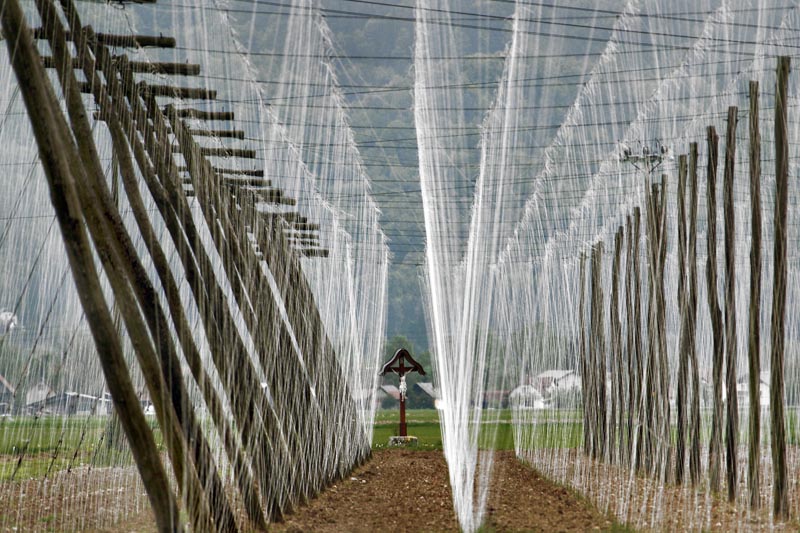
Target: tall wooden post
pixel 615 429
pixel 58 153
pixel 630 368
pixel 585 387
pixel 715 447
pixel 694 417
pixel 651 381
pixel 754 329
pixel 183 437
pixel 665 434
pixel 732 431
pixel 780 487
pixel 638 396
pixel 599 353
pixel 683 352
pixel 403 426
pixel 227 347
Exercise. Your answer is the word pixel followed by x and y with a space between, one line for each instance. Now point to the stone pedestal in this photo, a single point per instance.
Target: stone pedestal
pixel 403 441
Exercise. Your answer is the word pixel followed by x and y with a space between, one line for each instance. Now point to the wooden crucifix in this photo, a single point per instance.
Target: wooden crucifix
pixel 401 364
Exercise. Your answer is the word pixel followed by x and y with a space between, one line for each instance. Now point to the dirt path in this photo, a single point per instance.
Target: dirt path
pixel 409 491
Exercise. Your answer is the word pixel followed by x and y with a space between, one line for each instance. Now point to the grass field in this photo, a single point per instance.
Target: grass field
pixel 496 432
pixel 37 447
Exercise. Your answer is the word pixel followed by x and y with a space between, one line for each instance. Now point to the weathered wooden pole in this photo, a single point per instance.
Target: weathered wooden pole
pixel 715 446
pixel 201 280
pixel 227 349
pixel 236 455
pixel 599 353
pixel 159 361
pixel 615 429
pixel 592 360
pixel 638 396
pixel 59 154
pixel 584 365
pixel 239 257
pixel 732 427
pixel 780 488
pixel 694 417
pixel 754 329
pixel 268 439
pixel 651 381
pixel 665 434
pixel 590 397
pixel 683 352
pixel 630 367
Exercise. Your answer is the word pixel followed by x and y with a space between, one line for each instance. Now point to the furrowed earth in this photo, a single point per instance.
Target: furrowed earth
pixel 408 491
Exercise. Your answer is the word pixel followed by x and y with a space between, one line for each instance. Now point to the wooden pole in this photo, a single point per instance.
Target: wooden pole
pixel 146 67
pixel 585 387
pixel 227 349
pixel 683 353
pixel 732 431
pixel 652 382
pixel 298 296
pixel 665 434
pixel 780 488
pixel 599 354
pixel 637 337
pixel 249 284
pixel 615 425
pixel 242 474
pixel 130 282
pixel 262 318
pixel 127 41
pixel 754 328
pixel 403 426
pixel 694 417
pixel 58 154
pixel 715 447
pixel 630 388
pixel 591 360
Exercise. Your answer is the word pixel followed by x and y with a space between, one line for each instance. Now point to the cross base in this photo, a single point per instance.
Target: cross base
pixel 399 441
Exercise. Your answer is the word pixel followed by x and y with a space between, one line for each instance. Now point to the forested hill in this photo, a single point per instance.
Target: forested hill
pixel 374 42
pixel 376 72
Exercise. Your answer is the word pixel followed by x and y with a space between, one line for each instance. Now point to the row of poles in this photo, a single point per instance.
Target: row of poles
pixel 265 438
pixel 636 430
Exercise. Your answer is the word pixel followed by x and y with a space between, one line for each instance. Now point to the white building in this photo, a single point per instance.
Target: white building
pixel 38 393
pixel 527 397
pixel 551 381
pixel 8 322
pixel 743 390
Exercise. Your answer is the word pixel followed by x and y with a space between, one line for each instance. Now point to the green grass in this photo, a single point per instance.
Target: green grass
pixel 49 444
pixel 392 416
pixel 45 434
pixel 497 432
pixel 32 448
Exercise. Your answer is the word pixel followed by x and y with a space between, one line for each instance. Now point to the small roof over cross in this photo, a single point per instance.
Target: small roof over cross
pixel 401 364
